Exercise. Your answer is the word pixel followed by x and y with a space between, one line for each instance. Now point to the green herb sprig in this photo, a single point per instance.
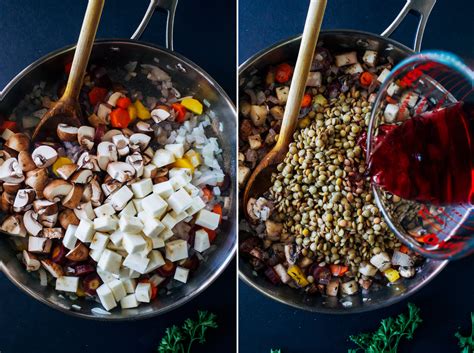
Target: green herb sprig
pixel 467 343
pixel 389 334
pixel 180 340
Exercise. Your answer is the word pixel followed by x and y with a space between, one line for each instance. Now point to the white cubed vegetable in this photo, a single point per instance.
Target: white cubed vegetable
pixel 393 89
pixel 99 241
pixel 85 210
pixel 383 75
pixel 116 237
pixel 370 57
pixel 193 157
pixel 105 210
pixel 186 173
pixel 149 170
pixel 120 198
pixel 180 200
pixel 201 241
pixel 106 297
pixel 193 191
pixel 105 276
pixel 178 181
pixel 136 262
pixel 176 250
pixel 85 230
pixel 207 219
pixel 105 224
pixel 154 205
pixel 138 203
pixel 354 69
pixel 197 205
pixel 367 269
pixel 67 284
pixel 350 287
pixel 282 94
pixel 128 302
pixel 157 243
pixel 128 273
pixel 178 216
pixel 129 284
pixel 163 189
pixel 314 79
pixel 381 261
pixel 156 280
pixel 69 240
pixel 128 210
pixel 402 259
pixel 346 59
pixel 130 224
pixel 152 228
pixel 95 254
pixel 156 261
pixel 169 221
pixel 110 261
pixel 177 149
pixel 166 234
pixel 133 243
pixel 282 273
pixel 143 292
pixel 390 113
pixel 142 188
pixel 117 288
pixel 181 274
pixel 162 158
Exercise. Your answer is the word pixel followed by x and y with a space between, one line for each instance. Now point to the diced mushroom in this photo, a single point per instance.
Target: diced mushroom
pixel 6 202
pixel 110 185
pixel 67 170
pixel 139 142
pixel 402 259
pixel 122 144
pixel 273 229
pixel 11 188
pixel 291 253
pixel 23 200
pixel 346 59
pixel 79 253
pixel 45 207
pixel 85 211
pixel 244 173
pixel 56 190
pixel 114 97
pixel 406 271
pixel 367 269
pixel 37 179
pixel 48 221
pixel 354 69
pixel 53 233
pixel 95 121
pixel 73 199
pixel 277 112
pixel 282 94
pixel 245 108
pixel 87 193
pixel 160 114
pixel 25 161
pixel 18 142
pixel 381 261
pixel 67 133
pixel 109 134
pixel 39 245
pixel 88 161
pixel 370 57
pixel 68 217
pixel 250 206
pixel 136 161
pixel 97 196
pixel 13 225
pixel 44 156
pixel 10 172
pixel 255 142
pixel 82 176
pixel 106 153
pixel 31 261
pixel 121 171
pixel 332 288
pixel 32 226
pixel 314 79
pixel 258 114
pixel 350 287
pixel 86 136
pixel 144 127
pixel 103 112
pixel 53 268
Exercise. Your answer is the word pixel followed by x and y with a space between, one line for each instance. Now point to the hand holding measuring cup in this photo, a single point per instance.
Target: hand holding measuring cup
pixel 420 148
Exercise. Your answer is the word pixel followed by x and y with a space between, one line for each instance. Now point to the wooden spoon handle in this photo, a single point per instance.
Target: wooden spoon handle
pixel 309 39
pixel 83 49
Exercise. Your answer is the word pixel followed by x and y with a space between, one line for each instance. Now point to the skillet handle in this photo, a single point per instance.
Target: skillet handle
pixel 422 8
pixel 167 5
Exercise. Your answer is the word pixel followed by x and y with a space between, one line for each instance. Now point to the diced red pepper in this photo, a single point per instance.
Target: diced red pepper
pixel 180 112
pixel 207 194
pixel 366 78
pixel 391 100
pixel 338 270
pixel 211 234
pixel 306 100
pixel 218 209
pixel 97 95
pixel 7 124
pixel 404 249
pixel 119 118
pixel 123 102
pixel 283 73
pixel 154 289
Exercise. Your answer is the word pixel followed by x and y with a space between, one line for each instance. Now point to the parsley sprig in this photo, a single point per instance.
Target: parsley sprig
pixel 180 339
pixel 467 343
pixel 389 334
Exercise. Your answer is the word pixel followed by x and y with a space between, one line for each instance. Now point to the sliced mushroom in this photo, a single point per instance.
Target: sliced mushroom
pixel 48 221
pixel 73 199
pixel 5 155
pixel 45 207
pixel 53 268
pixel 25 161
pixel 85 211
pixel 87 194
pixel 13 225
pixel 114 97
pixel 44 156
pixel 106 153
pixel 121 171
pixel 6 203
pixel 32 226
pixel 10 172
pixel 143 127
pixel 23 200
pixel 82 176
pixel 109 134
pixel 31 261
pixel 86 136
pixel 11 188
pixel 121 142
pixel 56 190
pixel 79 253
pixel 139 142
pixel 53 233
pixel 160 114
pixel 39 245
pixel 103 112
pixel 88 161
pixel 18 142
pixel 136 160
pixel 68 217
pixel 95 121
pixel 67 133
pixel 97 196
pixel 258 114
pixel 67 170
pixel 149 152
pixel 127 132
pixel 110 185
pixel 37 179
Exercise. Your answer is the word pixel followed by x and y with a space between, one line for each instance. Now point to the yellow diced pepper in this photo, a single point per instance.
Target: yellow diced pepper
pixel 193 157
pixel 132 111
pixel 296 273
pixel 391 274
pixel 321 100
pixel 183 163
pixel 193 105
pixel 142 111
pixel 302 123
pixel 59 163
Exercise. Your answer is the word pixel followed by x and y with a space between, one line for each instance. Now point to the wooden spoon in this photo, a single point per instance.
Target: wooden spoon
pixel 260 180
pixel 67 109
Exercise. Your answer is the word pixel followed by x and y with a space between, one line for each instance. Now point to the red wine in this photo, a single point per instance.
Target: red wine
pixel 429 158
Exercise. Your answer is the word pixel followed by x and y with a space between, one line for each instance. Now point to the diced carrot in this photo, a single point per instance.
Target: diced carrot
pixel 207 194
pixel 180 112
pixel 7 124
pixel 404 249
pixel 123 102
pixel 283 73
pixel 218 209
pixel 119 118
pixel 211 234
pixel 338 270
pixel 306 100
pixel 366 78
pixel 97 95
pixel 391 100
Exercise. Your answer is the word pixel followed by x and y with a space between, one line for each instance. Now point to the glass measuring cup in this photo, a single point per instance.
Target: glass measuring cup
pixel 422 83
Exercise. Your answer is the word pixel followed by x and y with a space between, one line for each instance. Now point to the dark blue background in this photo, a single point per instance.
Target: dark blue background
pixel 447 301
pixel 30 29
